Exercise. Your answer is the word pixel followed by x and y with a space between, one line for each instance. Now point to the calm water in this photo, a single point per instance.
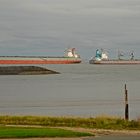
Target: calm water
pixel 80 90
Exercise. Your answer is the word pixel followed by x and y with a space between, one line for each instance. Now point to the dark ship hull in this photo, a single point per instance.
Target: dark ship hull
pixel 115 62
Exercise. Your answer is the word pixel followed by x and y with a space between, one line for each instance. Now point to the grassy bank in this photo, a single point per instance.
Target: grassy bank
pixel 99 122
pixel 28 132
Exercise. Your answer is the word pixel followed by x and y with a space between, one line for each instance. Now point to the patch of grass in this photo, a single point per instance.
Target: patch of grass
pixel 98 122
pixel 27 132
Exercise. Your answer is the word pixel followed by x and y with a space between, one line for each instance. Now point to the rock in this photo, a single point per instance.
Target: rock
pixel 25 70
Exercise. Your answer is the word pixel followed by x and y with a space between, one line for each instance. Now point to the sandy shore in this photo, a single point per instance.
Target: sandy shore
pixel 96 132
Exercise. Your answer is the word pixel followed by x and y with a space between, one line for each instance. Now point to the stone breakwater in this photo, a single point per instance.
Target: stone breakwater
pixel 25 70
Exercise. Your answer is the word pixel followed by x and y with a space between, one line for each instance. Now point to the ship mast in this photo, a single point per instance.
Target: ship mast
pixel 119 55
pixel 132 55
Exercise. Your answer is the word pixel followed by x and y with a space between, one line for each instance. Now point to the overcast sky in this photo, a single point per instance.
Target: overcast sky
pixel 48 27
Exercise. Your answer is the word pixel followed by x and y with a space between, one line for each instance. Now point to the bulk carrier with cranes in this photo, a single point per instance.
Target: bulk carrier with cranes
pixel 102 58
pixel 70 57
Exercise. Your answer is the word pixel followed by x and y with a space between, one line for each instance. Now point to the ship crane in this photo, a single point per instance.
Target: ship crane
pixel 102 58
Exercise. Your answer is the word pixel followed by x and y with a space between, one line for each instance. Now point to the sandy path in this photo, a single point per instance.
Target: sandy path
pixel 99 132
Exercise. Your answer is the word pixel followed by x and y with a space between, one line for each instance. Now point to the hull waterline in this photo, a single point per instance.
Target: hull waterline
pixel 26 60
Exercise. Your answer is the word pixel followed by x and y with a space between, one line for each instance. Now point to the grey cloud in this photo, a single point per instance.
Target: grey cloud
pixel 27 25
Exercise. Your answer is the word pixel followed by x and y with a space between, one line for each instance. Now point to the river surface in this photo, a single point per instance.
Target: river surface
pixel 83 90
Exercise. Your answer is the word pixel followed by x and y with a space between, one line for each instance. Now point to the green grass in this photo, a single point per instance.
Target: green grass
pixel 27 132
pixel 99 122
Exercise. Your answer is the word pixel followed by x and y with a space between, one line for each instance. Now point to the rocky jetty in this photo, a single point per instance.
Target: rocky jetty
pixel 25 70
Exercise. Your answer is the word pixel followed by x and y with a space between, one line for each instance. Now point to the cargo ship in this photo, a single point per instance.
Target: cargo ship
pixel 101 57
pixel 70 57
